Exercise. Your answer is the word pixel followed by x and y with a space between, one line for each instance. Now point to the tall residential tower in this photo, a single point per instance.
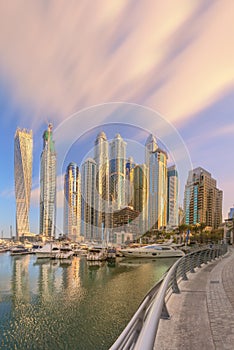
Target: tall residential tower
pixel 156 162
pixel 172 197
pixel 23 179
pixel 48 185
pixel 72 207
pixel 88 199
pixel 117 171
pixel 202 199
pixel 101 157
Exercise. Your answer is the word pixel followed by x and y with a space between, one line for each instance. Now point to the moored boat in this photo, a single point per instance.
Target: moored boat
pixel 48 251
pixel 65 252
pixel 152 251
pixel 96 254
pixel 3 248
pixel 19 250
pixel 111 253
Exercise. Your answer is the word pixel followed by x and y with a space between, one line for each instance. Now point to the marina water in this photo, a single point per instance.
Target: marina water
pixel 49 304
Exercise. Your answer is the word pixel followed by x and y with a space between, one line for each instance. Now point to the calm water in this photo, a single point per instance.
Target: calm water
pixel 52 305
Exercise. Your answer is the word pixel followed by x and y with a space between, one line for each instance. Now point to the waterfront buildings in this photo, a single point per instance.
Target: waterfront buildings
pixel 202 199
pixel 117 171
pixel 172 197
pixel 140 197
pixel 156 162
pixel 126 220
pixel 129 175
pixel 231 213
pixel 48 185
pixel 101 157
pixel 23 145
pixel 72 202
pixel 89 200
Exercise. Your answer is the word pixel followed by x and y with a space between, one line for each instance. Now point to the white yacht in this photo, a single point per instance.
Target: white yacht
pixel 65 252
pixel 152 251
pixel 48 251
pixel 19 250
pixel 96 254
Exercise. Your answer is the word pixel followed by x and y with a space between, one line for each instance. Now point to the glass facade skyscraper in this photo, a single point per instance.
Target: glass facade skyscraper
pixel 141 195
pixel 48 185
pixel 101 157
pixel 89 199
pixel 172 197
pixel 117 171
pixel 156 161
pixel 202 199
pixel 23 146
pixel 72 207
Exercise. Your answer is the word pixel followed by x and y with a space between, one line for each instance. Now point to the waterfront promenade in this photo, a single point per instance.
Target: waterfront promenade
pixel 202 315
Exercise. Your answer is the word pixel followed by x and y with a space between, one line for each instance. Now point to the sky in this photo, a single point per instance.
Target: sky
pixel 155 65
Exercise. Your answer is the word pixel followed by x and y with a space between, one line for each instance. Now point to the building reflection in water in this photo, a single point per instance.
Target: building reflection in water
pixel 20 278
pixel 43 278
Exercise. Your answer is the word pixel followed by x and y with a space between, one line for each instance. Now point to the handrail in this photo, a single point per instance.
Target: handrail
pixel 140 333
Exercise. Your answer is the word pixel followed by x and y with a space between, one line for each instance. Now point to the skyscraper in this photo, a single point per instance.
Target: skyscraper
pixel 202 199
pixel 72 207
pixel 129 188
pixel 140 202
pixel 101 157
pixel 89 200
pixel 117 171
pixel 48 185
pixel 231 213
pixel 172 197
pixel 156 162
pixel 23 179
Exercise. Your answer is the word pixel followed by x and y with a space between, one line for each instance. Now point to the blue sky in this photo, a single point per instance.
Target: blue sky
pixel 173 57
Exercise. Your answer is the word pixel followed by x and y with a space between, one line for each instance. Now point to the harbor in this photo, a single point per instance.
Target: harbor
pixel 71 303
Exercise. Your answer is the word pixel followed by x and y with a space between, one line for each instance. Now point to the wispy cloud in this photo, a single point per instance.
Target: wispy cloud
pixel 8 193
pixel 176 57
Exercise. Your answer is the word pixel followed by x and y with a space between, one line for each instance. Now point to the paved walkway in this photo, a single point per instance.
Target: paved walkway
pixel 202 315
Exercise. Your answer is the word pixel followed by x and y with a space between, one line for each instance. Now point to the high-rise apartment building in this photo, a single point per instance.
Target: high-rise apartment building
pixel 140 202
pixel 129 187
pixel 72 199
pixel 48 185
pixel 23 179
pixel 117 171
pixel 156 162
pixel 231 213
pixel 172 197
pixel 202 199
pixel 89 200
pixel 101 157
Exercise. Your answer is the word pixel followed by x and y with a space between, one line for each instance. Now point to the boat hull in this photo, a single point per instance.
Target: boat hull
pixel 151 254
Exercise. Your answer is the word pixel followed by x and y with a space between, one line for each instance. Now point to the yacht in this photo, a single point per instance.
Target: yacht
pixel 153 251
pixel 65 252
pixel 3 248
pixel 96 254
pixel 19 250
pixel 48 251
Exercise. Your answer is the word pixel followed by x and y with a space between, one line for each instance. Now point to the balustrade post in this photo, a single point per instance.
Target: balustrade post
pixel 191 257
pixel 165 314
pixel 184 264
pixel 175 287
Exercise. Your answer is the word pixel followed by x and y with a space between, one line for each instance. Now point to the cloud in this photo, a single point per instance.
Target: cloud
pixel 176 57
pixel 8 193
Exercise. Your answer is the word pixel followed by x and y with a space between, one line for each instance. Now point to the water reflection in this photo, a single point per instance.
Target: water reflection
pixel 75 304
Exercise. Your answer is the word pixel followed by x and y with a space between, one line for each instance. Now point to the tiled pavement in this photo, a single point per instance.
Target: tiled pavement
pixel 202 315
